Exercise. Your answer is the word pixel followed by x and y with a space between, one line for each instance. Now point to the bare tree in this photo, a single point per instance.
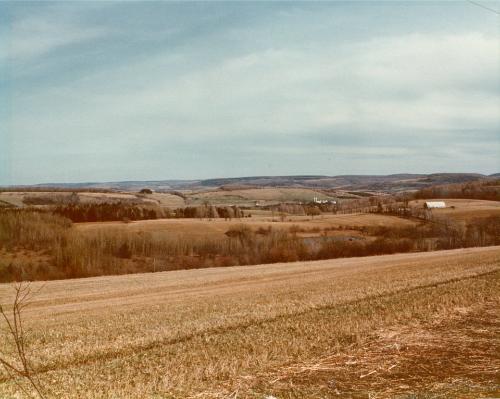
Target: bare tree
pixel 18 365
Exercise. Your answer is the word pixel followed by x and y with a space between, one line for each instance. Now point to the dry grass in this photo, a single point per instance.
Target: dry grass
pixel 14 198
pixel 217 227
pixel 264 195
pixel 249 331
pixel 457 353
pixel 215 197
pixel 464 210
pixel 165 200
pixel 120 248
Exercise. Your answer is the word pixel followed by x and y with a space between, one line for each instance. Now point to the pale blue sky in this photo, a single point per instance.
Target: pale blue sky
pixel 101 91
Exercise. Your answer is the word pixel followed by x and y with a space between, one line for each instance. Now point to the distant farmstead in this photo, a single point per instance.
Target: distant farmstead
pixel 434 204
pixel 316 200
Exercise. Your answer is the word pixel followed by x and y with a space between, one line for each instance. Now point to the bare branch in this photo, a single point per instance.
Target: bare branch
pixel 15 328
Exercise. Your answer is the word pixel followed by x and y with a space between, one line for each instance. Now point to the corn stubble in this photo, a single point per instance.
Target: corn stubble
pixel 336 328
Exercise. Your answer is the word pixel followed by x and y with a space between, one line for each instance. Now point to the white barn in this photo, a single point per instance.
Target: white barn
pixel 434 204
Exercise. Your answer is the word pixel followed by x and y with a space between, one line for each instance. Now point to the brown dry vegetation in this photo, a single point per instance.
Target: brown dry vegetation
pixel 169 200
pixel 263 195
pixel 20 198
pixel 463 210
pixel 483 189
pixel 420 325
pixel 217 227
pixel 36 245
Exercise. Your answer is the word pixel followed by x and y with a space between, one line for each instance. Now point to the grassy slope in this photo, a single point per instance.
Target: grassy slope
pixel 249 196
pixel 215 197
pixel 217 227
pixel 161 199
pixel 464 209
pixel 249 329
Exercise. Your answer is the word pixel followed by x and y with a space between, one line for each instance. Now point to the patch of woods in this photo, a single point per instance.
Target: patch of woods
pixel 482 189
pixel 106 212
pixel 74 253
pixel 30 235
pixel 119 211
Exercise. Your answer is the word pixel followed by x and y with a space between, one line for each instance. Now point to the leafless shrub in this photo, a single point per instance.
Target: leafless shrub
pixel 18 365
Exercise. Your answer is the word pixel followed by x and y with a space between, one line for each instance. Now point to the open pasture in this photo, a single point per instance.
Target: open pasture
pixel 219 197
pixel 217 227
pixel 12 198
pixel 338 328
pixel 464 209
pixel 20 199
pixel 252 195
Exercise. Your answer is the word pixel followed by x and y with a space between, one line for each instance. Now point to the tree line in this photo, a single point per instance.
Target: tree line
pixel 71 253
pixel 120 211
pixel 482 189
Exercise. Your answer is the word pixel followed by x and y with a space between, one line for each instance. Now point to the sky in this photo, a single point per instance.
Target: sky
pixel 113 91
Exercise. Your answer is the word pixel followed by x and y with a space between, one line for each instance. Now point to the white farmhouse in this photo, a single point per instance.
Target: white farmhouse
pixel 316 200
pixel 434 204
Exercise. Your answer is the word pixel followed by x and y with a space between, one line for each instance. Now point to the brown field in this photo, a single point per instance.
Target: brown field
pixel 217 227
pixel 214 197
pixel 415 325
pixel 464 209
pixel 13 198
pixel 161 199
pixel 167 200
pixel 249 196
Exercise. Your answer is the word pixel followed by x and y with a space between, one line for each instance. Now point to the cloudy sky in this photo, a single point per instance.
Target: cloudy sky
pixel 159 90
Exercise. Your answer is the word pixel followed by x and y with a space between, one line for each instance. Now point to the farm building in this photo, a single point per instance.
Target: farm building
pixel 316 200
pixel 434 204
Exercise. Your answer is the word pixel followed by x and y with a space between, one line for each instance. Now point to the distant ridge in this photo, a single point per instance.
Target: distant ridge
pixel 386 183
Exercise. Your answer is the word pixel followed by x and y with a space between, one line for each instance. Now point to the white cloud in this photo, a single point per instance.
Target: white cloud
pixel 409 82
pixel 431 62
pixel 414 81
pixel 30 37
pixel 34 38
pixel 390 87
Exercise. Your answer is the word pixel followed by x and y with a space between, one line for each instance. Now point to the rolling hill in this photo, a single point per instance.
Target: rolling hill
pixel 384 183
pixel 412 325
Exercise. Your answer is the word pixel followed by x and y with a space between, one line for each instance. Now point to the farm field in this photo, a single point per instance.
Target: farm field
pixel 249 199
pixel 217 227
pixel 246 197
pixel 167 200
pixel 464 209
pixel 251 195
pixel 422 324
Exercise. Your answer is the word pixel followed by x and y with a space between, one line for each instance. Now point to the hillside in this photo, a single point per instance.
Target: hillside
pixel 419 325
pixel 386 183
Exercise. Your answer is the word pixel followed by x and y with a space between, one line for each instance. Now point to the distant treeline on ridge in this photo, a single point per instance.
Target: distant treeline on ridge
pixel 114 211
